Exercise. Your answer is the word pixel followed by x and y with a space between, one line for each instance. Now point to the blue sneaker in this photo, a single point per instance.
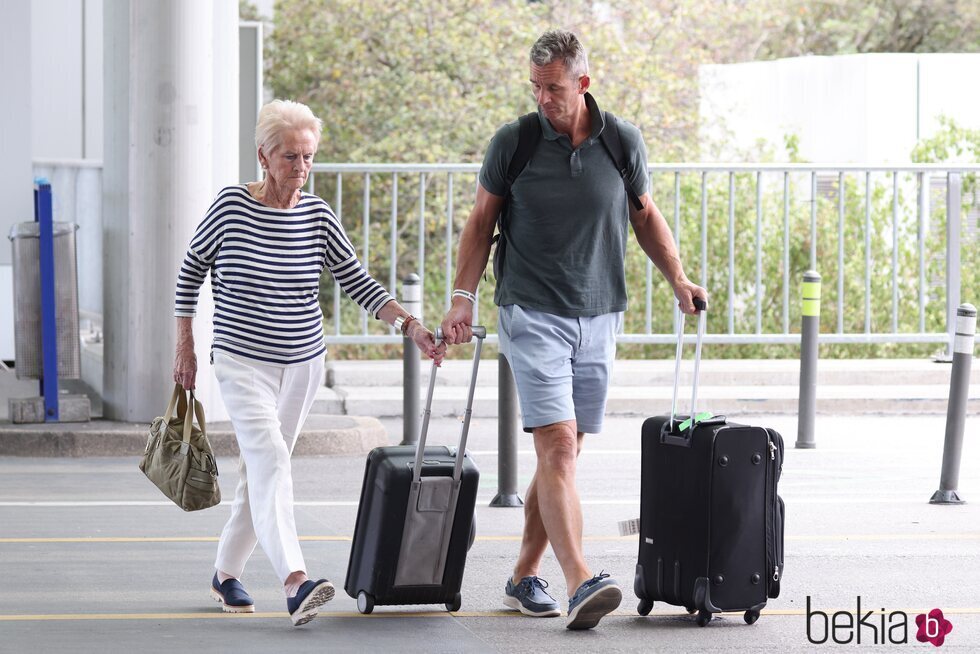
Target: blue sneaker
pixel 593 599
pixel 310 597
pixel 530 598
pixel 232 596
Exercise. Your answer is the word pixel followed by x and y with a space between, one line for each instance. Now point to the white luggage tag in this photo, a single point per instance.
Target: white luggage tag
pixel 629 527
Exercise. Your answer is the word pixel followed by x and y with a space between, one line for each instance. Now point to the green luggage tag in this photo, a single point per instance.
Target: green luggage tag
pixel 701 417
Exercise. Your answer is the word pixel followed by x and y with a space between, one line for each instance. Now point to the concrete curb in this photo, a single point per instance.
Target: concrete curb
pixel 322 435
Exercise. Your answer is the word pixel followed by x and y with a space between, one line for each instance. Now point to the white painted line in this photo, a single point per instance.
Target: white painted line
pixel 117 503
pixel 842 499
pixel 789 449
pixel 585 450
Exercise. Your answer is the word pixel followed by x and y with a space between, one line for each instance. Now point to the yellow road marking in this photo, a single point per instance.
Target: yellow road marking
pixel 52 617
pixel 347 539
pixel 833 537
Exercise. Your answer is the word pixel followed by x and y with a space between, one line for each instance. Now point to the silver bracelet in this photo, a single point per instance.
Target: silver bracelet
pixel 462 292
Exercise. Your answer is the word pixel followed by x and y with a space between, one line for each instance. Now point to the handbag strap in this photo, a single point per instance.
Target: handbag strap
pixel 168 414
pixel 198 412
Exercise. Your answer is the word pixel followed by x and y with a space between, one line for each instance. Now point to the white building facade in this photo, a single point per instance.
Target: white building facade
pixel 844 109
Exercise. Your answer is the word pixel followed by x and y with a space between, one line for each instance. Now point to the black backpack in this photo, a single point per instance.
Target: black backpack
pixel 527 142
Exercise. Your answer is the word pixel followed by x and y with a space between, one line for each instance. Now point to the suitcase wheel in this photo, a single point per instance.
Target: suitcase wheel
pixel 751 616
pixel 704 617
pixel 690 610
pixel 457 602
pixel 365 602
pixel 644 607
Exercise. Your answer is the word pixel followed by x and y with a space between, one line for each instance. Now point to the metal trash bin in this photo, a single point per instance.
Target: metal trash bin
pixel 29 358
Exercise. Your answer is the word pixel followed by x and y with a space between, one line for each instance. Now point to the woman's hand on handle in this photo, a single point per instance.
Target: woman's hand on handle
pixel 426 342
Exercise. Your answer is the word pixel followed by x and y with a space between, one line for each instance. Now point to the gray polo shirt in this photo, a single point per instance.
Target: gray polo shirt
pixel 567 222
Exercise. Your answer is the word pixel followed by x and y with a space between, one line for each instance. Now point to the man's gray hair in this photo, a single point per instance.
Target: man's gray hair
pixel 562 45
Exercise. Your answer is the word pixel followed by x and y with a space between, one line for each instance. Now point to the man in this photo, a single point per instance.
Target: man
pixel 561 290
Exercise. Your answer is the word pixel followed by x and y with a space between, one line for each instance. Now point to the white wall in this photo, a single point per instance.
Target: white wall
pixel 950 83
pixel 16 176
pixel 66 73
pixel 93 71
pixel 851 108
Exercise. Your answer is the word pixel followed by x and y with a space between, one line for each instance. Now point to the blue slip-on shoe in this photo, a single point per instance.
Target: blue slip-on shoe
pixel 232 596
pixel 593 600
pixel 310 597
pixel 530 598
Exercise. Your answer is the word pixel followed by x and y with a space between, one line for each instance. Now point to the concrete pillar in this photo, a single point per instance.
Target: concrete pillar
pixel 224 172
pixel 161 163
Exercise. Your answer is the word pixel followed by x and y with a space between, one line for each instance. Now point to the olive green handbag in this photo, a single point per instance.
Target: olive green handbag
pixel 178 456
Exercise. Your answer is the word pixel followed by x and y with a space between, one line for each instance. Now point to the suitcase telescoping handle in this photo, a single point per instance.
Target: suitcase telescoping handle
pixel 701 307
pixel 480 333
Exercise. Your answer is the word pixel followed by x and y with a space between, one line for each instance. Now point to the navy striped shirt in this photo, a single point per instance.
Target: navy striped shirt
pixel 265 266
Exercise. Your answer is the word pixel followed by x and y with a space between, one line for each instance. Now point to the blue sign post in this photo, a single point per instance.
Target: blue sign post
pixel 49 324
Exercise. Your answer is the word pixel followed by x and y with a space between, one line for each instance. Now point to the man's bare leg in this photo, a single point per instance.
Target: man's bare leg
pixel 535 539
pixel 554 512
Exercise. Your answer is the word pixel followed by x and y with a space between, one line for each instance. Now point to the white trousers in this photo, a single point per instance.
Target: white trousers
pixel 268 406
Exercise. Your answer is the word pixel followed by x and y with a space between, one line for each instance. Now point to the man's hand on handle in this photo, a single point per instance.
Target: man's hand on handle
pixel 685 291
pixel 456 326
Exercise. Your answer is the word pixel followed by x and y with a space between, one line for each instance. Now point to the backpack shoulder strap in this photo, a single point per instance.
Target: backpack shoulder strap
pixel 614 146
pixel 527 143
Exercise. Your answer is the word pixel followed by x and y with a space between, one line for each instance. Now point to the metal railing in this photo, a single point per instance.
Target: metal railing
pixel 813 213
pixel 745 231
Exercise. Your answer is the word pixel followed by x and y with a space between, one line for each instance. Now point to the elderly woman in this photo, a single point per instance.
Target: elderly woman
pixel 265 245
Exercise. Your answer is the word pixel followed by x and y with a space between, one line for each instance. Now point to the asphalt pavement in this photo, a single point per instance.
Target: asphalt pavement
pixel 94 559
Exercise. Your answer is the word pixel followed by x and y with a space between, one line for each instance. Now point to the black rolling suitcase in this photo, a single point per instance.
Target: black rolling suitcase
pixel 711 522
pixel 415 521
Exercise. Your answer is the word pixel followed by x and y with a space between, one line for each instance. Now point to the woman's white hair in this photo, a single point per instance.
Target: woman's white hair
pixel 282 116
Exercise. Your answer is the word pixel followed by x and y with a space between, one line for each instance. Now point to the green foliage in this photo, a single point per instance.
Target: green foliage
pixel 403 81
pixel 830 27
pixel 412 81
pixel 951 144
pixel 248 11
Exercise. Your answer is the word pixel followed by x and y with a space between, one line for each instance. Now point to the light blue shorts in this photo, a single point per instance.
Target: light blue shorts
pixel 561 365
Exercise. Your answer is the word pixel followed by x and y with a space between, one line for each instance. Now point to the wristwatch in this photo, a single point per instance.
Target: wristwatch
pixel 401 322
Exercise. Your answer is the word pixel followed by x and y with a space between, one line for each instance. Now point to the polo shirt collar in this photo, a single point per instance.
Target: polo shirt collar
pixel 598 120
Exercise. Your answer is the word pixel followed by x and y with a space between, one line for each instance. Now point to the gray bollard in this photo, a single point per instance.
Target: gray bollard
pixel 411 363
pixel 959 387
pixel 506 437
pixel 809 353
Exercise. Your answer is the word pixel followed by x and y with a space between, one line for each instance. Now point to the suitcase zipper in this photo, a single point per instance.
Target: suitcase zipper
pixel 773 509
pixel 770 513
